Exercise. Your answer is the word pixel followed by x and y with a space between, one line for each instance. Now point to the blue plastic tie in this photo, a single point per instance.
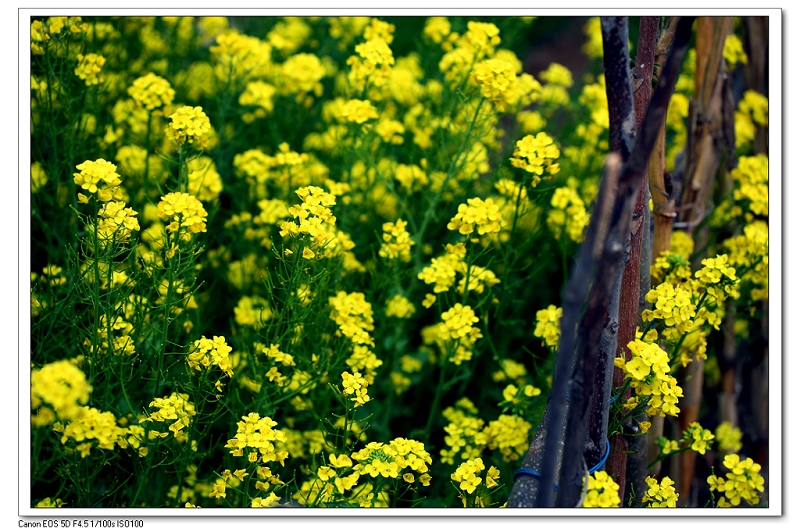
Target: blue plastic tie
pixel 602 462
pixel 524 471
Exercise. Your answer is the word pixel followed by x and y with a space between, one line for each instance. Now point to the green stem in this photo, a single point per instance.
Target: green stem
pixel 419 237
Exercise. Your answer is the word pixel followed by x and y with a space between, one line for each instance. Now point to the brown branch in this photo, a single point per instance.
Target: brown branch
pixel 630 289
pixel 588 275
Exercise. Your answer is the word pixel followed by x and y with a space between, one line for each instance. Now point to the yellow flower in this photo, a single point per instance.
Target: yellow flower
pixel 602 492
pixel 151 91
pixel 189 125
pixel 89 67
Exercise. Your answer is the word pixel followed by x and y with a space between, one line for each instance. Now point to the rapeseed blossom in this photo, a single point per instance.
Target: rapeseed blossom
pixel 353 314
pixel 397 241
pixel 548 326
pixel 468 475
pixel 700 437
pixel 91 427
pixel 483 215
pixel 601 492
pixel 182 210
pixel 98 177
pixel 495 78
pixel 728 438
pixel 58 391
pixel 649 371
pixel 89 67
pixel 399 306
pixel 458 322
pixel 189 125
pixel 258 433
pixel 733 52
pixel 151 91
pixel 752 178
pixel 742 482
pixel 536 154
pixel 355 385
pixel 211 352
pixel 509 435
pixel 661 495
pixel 568 214
pixel 176 407
pixel 116 221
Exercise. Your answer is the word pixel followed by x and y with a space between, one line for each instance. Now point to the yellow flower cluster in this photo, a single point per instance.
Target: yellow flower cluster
pixel 116 221
pixel 509 435
pixel 672 304
pixel 373 63
pixel 98 177
pixel 548 325
pixel 700 437
pixel 752 112
pixel 314 218
pixel 301 74
pixel 510 370
pixel 274 352
pixel 718 278
pixel 495 77
pixel 92 424
pixel 258 94
pixel 400 379
pixel 468 475
pixel 568 214
pixel 513 395
pixel 189 125
pixel 151 91
pixel 49 502
pixel 353 314
pixel 442 271
pixel 733 52
pixel 478 42
pixel 749 252
pixel 208 353
pixel 465 437
pixel 483 215
pixel 289 34
pixel 58 390
pixel 43 31
pixel 397 241
pixel 457 323
pixel 389 460
pixel 205 182
pixel 240 58
pixel 257 433
pixel 752 183
pixel 89 67
pixel 356 112
pixel 660 495
pixel 355 385
pixel 649 370
pixel 593 47
pixel 175 407
pixel 182 210
pixel 436 29
pixel 536 154
pixel 601 492
pixel 38 177
pixel 252 311
pixel 123 344
pixel 399 306
pixel 728 438
pixel 742 482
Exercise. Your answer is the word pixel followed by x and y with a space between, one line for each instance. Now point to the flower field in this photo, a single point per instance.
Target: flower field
pixel 327 262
